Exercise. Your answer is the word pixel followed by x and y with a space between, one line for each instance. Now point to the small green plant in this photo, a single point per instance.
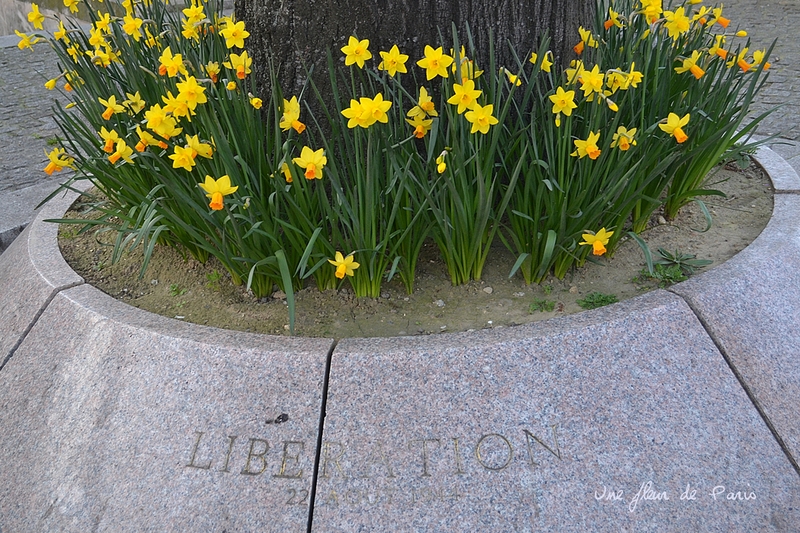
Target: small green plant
pixel 542 305
pixel 213 280
pixel 547 289
pixel 593 300
pixel 55 140
pixel 664 275
pixel 687 263
pixel 176 290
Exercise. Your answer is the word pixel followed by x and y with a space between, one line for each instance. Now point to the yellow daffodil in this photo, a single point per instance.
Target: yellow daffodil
pixel 212 69
pixel 481 118
pixel 441 164
pixel 171 64
pixel 51 84
pixel 112 107
pixel 110 138
pixel 256 102
pixel 512 78
pixel 435 62
pixel 690 65
pixel 677 23
pixel 652 9
pixel 312 161
pixel 758 58
pixel 345 266
pixel 464 95
pixel 231 86
pixel 191 92
pixel 424 105
pixel 587 39
pixel 240 63
pixel 177 106
pixel 612 20
pixel 58 160
pixel 591 81
pixel 367 111
pixel 563 102
pixel 145 139
pixel 356 52
pixel 467 69
pixel 287 173
pixel 132 26
pixel 134 102
pixel 72 5
pixel 35 17
pixel 393 61
pixel 597 240
pixel 183 157
pixel 718 18
pixel 103 22
pixel 195 14
pixel 26 41
pixel 674 126
pixel 121 151
pixel 547 60
pixel 291 116
pixel 623 138
pixel 421 125
pixel 217 189
pixel 235 34
pixel 61 33
pixel 197 147
pixel 587 147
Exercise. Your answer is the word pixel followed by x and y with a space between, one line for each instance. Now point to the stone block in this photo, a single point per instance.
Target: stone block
pixel 625 418
pixel 750 305
pixel 32 271
pixel 783 175
pixel 115 419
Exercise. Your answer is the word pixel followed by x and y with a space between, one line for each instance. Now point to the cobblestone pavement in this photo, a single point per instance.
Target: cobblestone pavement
pixel 26 106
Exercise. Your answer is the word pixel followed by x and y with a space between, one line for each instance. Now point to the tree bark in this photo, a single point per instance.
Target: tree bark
pixel 294 33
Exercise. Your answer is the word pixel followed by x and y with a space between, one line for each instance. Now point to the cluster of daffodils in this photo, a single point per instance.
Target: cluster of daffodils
pixel 164 110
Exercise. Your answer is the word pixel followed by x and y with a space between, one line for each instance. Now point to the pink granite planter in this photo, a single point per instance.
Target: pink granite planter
pixel 674 411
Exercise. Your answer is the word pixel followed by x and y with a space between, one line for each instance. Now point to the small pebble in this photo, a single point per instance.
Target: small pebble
pixel 519 294
pixel 662 220
pixel 154 282
pixel 439 303
pixel 488 290
pixel 279 295
pixel 179 317
pixel 573 290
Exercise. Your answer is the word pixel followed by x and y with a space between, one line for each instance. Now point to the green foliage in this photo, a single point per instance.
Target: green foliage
pixel 593 300
pixel 176 290
pixel 541 305
pixel 663 275
pixel 686 263
pixel 190 153
pixel 213 278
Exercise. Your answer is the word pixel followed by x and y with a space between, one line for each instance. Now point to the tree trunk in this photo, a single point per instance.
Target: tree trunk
pixel 299 32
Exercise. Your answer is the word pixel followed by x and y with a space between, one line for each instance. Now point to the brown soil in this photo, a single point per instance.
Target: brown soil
pixel 203 294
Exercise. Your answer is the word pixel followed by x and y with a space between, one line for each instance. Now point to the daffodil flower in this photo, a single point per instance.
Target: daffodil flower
pixel 623 138
pixel 512 78
pixel 465 95
pixel 217 189
pixel 58 160
pixel 345 266
pixel 674 126
pixel 421 125
pixel 613 20
pixel 597 240
pixel 481 118
pixel 393 61
pixel 191 92
pixel 677 23
pixel 291 116
pixel 26 41
pixel 435 62
pixel 424 107
pixel 367 111
pixel 72 5
pixel 121 151
pixel 441 165
pixel 312 161
pixel 240 63
pixel 690 65
pixel 547 60
pixel 134 102
pixel 170 64
pixel 591 81
pixel 235 34
pixel 588 147
pixel 35 17
pixel 356 52
pixel 563 102
pixel 197 147
pixel 112 107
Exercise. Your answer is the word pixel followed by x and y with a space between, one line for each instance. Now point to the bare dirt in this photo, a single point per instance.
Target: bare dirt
pixel 203 293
